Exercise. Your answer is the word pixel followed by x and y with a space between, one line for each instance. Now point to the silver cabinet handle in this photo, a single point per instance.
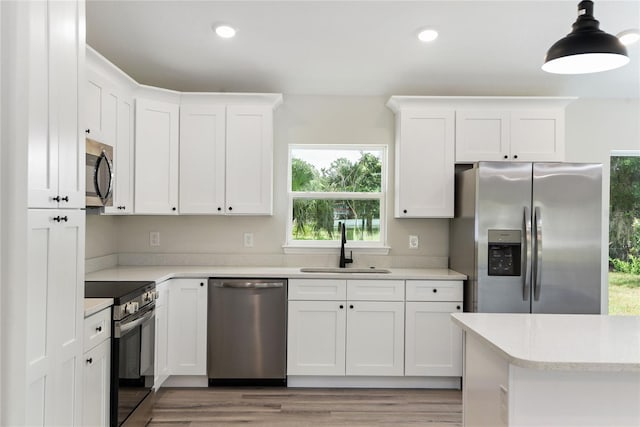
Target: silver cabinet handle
pixel 537 253
pixel 526 254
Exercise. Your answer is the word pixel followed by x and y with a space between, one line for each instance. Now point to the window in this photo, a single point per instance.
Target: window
pixel 330 185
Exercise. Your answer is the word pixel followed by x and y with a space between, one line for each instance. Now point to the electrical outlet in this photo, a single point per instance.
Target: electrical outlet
pixel 248 240
pixel 414 243
pixel 154 238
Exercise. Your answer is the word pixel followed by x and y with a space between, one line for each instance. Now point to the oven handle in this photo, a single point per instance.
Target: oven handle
pixel 121 328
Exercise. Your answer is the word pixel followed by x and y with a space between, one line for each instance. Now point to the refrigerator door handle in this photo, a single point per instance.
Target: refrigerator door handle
pixel 526 257
pixel 537 253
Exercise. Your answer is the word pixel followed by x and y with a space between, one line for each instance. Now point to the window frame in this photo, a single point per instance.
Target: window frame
pixel 371 246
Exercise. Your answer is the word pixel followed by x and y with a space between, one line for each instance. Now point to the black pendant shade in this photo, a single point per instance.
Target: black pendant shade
pixel 587 49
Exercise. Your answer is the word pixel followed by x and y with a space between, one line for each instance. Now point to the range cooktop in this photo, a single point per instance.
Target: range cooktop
pixel 119 291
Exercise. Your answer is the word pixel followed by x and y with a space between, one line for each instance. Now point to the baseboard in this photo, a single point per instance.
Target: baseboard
pixel 303 381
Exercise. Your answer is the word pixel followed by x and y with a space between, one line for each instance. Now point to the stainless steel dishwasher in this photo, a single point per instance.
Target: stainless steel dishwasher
pixel 247 331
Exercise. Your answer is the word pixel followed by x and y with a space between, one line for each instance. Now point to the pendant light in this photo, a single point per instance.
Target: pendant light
pixel 587 49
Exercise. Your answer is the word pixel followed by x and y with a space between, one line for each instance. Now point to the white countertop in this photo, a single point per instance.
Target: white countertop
pixel 94 305
pixel 162 273
pixel 559 341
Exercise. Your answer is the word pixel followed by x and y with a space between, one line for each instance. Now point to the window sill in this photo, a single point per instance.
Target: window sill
pixel 302 249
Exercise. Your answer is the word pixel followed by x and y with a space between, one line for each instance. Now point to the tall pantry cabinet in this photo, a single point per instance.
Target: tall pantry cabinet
pixel 42 223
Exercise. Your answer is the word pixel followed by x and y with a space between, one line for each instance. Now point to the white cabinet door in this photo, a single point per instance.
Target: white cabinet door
pixel 316 338
pixel 537 135
pixel 375 338
pixel 161 362
pixel 482 135
pixel 54 315
pixel 96 382
pixel 433 341
pixel 424 163
pixel 95 92
pixel 156 157
pixel 202 159
pixel 56 146
pixel 249 171
pixel 188 327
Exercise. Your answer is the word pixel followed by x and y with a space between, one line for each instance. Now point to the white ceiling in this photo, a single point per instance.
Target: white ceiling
pixel 356 47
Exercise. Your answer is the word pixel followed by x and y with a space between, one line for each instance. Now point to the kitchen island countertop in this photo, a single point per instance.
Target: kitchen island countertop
pixel 564 342
pixel 162 273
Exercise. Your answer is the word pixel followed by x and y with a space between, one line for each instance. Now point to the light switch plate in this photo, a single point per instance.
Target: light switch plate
pixel 247 238
pixel 414 243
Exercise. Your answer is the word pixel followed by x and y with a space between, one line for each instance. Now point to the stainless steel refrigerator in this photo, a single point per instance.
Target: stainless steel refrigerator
pixel 529 237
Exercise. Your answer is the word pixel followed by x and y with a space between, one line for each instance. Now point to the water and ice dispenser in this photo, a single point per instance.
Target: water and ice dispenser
pixel 504 252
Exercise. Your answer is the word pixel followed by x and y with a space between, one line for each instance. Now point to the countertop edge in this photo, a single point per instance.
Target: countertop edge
pixel 95 305
pixel 522 362
pixel 162 273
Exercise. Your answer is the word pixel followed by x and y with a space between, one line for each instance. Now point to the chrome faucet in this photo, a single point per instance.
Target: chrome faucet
pixel 344 260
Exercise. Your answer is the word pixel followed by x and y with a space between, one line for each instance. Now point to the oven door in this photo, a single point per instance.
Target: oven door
pixel 132 366
pixel 98 174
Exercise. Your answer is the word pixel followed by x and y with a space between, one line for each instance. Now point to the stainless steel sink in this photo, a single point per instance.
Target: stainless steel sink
pixel 343 270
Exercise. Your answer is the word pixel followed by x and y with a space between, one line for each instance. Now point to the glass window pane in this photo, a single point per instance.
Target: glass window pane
pixel 317 219
pixel 336 170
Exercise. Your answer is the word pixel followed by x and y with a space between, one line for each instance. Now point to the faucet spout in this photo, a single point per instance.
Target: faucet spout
pixel 343 259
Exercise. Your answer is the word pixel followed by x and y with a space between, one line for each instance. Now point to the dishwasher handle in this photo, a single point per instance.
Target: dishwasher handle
pixel 248 285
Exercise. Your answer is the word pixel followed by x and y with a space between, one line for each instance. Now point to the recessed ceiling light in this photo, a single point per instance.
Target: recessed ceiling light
pixel 225 31
pixel 428 35
pixel 629 37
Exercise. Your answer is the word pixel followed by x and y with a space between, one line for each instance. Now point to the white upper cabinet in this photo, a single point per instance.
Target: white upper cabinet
pixel 510 129
pixel 56 145
pixel 202 159
pixel 109 119
pixel 249 172
pixel 226 156
pixel 424 164
pixel 156 157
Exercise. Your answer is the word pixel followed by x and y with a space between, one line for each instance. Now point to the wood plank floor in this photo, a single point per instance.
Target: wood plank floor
pixel 306 407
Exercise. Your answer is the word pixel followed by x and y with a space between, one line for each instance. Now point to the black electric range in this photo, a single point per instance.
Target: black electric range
pixel 128 297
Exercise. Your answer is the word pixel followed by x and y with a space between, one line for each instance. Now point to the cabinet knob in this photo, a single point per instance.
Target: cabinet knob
pixel 64 218
pixel 56 218
pixel 435 290
pixel 457 307
pixel 506 157
pixel 90 360
pixel 99 329
pixel 88 131
pixel 341 306
pixel 515 156
pixel 230 208
pixel 351 306
pixel 219 208
pixel 201 283
pixel 404 211
pixel 56 199
pixel 173 208
pixel 65 198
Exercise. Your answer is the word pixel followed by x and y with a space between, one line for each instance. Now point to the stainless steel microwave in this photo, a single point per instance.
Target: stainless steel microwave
pixel 99 174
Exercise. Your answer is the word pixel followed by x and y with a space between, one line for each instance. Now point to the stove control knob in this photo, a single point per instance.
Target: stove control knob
pixel 131 307
pixel 148 296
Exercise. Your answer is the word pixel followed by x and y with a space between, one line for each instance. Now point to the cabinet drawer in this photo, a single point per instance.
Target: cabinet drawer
pixel 317 289
pixel 434 290
pixel 97 328
pixel 375 290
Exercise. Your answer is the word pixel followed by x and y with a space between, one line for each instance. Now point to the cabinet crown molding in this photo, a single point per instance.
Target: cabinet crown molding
pixel 398 102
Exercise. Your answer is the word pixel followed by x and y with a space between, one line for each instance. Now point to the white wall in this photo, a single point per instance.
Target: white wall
pixel 594 128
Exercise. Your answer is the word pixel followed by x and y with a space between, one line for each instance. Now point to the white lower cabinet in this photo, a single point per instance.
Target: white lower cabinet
pixel 433 342
pixel 161 363
pixel 96 374
pixel 375 338
pixel 181 329
pixel 188 327
pixel 95 385
pixel 340 337
pixel 316 338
